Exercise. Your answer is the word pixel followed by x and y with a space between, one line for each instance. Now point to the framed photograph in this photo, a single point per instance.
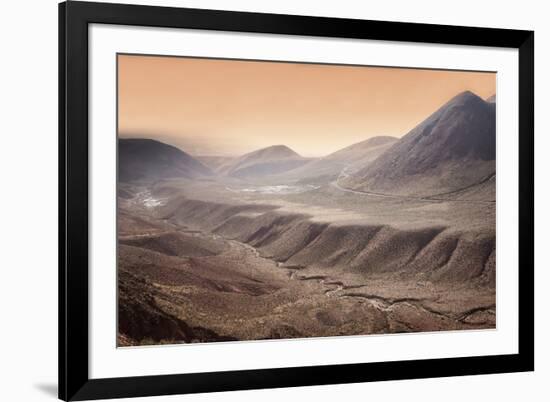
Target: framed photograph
pixel 257 201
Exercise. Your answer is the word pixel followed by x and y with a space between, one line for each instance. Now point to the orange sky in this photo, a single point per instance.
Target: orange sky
pixel 225 107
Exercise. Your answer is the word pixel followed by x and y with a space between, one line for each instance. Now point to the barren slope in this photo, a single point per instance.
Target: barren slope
pixel 263 162
pixel 452 149
pixel 140 159
pixel 329 167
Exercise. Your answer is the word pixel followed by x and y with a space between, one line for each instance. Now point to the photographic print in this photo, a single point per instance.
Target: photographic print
pixel 263 200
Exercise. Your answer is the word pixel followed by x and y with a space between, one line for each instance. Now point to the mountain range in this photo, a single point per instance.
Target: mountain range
pixel 453 150
pixel 328 168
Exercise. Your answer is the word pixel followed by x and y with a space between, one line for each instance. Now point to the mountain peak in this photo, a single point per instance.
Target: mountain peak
pixel 434 155
pixel 269 160
pixel 278 150
pixel 466 93
pixel 465 97
pixel 144 158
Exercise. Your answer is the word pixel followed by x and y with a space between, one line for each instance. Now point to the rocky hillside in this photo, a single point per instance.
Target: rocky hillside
pixel 451 150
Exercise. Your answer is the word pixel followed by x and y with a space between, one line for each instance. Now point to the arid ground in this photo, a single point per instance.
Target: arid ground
pixel 389 235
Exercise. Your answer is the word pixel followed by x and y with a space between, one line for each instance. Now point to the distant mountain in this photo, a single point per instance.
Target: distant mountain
pixel 149 159
pixel 452 149
pixel 364 151
pixel 266 161
pixel 215 162
pixel 329 167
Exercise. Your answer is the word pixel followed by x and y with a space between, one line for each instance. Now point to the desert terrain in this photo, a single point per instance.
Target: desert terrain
pixel 388 235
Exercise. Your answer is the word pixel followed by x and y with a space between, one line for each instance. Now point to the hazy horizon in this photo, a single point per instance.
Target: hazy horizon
pixel 232 107
pixel 130 136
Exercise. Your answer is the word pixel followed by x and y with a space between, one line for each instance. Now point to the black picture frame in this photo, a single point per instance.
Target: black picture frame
pixel 74 381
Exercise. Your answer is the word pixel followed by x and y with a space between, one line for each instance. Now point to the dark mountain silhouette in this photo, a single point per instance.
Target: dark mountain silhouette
pixel 149 159
pixel 266 161
pixel 452 149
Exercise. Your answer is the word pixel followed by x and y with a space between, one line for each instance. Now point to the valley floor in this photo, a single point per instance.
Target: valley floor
pixel 221 261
